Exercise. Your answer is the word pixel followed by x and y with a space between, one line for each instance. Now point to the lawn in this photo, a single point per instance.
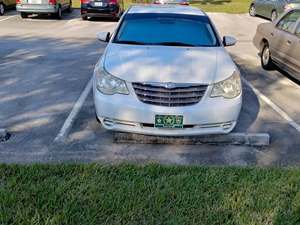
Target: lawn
pixel 228 6
pixel 151 194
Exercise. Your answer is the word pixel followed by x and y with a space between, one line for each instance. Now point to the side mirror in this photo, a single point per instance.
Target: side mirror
pixel 229 41
pixel 103 36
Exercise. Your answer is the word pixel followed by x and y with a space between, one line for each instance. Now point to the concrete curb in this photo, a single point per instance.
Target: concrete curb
pixel 250 139
pixel 3 135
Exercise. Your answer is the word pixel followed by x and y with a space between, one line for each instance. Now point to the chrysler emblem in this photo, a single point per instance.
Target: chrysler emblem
pixel 170 85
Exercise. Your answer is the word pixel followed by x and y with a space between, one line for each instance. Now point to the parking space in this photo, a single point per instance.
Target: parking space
pixel 8 15
pixel 46 64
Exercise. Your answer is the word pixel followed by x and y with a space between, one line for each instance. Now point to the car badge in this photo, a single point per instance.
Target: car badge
pixel 170 85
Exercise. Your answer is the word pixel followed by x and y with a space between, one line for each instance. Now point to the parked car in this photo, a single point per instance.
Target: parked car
pixel 279 43
pixel 102 8
pixel 6 4
pixel 52 7
pixel 271 9
pixel 165 72
pixel 171 2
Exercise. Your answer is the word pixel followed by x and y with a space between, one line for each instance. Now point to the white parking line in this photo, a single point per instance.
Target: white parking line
pixel 74 113
pixel 7 18
pixel 276 108
pixel 79 103
pixel 268 101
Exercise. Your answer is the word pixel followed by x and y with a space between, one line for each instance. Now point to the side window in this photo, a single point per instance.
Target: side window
pixel 298 30
pixel 288 22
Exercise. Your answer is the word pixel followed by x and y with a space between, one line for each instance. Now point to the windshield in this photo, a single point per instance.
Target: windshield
pixel 166 29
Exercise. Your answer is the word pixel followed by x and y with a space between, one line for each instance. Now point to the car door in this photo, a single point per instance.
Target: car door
pixel 269 6
pixel 259 6
pixel 282 38
pixel 281 6
pixel 295 54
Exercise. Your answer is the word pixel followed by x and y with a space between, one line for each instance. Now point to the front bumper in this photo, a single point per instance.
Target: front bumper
pixel 36 8
pixel 99 12
pixel 257 40
pixel 127 113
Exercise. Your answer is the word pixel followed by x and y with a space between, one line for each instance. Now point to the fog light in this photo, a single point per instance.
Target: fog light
pixel 108 122
pixel 227 126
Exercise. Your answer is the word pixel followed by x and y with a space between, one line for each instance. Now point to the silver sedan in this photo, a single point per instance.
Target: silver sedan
pixel 165 72
pixel 271 9
pixel 279 43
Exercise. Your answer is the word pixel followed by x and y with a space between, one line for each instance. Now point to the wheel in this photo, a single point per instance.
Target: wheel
pixel 118 16
pixel 2 9
pixel 252 10
pixel 58 15
pixel 84 17
pixel 97 119
pixel 24 15
pixel 274 15
pixel 266 60
pixel 70 9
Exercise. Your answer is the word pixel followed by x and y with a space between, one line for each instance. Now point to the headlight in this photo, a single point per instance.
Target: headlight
pixel 229 88
pixel 108 84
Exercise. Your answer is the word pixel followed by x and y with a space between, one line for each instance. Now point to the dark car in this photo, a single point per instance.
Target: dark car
pixel 278 43
pixel 102 8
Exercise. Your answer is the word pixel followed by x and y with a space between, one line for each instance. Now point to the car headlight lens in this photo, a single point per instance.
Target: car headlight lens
pixel 229 88
pixel 109 84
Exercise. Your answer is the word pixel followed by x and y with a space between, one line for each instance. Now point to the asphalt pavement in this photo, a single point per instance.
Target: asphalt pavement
pixel 45 69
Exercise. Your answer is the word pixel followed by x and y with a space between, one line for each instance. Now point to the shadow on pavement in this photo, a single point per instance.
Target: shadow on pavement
pixel 65 16
pixel 41 78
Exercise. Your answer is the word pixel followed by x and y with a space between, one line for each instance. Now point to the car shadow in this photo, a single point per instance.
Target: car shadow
pixel 263 17
pixel 101 19
pixel 65 16
pixel 41 79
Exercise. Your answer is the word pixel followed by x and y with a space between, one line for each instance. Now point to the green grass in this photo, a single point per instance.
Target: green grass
pixel 152 194
pixel 227 6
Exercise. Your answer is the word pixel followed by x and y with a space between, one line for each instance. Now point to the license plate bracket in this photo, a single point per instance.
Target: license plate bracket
pixel 168 121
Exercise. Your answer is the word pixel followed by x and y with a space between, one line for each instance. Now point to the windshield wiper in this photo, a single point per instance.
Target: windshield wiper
pixel 130 42
pixel 174 43
pixel 169 43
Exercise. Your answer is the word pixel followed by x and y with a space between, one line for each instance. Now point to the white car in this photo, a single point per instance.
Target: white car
pixel 165 72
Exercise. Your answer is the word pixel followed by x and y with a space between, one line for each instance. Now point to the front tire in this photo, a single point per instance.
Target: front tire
pixel 274 15
pixel 252 10
pixel 119 15
pixel 24 15
pixel 58 15
pixel 84 17
pixel 70 9
pixel 266 60
pixel 2 9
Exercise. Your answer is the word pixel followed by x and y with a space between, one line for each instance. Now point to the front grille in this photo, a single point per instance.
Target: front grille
pixel 169 94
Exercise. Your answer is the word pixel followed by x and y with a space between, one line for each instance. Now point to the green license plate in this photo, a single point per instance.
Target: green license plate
pixel 168 121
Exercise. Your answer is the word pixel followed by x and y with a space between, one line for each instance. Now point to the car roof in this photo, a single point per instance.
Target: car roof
pixel 176 9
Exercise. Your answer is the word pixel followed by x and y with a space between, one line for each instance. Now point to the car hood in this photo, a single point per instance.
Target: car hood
pixel 133 63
